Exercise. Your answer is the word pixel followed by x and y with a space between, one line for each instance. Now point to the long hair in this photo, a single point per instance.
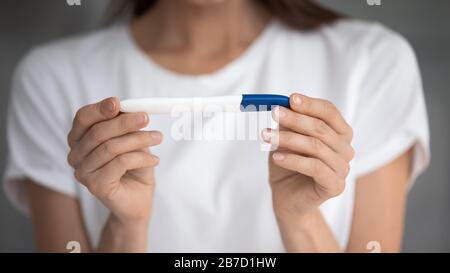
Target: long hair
pixel 299 14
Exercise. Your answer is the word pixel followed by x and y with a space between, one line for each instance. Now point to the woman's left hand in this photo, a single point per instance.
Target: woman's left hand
pixel 312 158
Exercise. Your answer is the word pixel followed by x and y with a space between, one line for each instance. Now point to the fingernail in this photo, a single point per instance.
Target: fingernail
pixel 156 135
pixel 280 112
pixel 278 156
pixel 109 105
pixel 141 119
pixel 297 100
pixel 156 158
pixel 277 113
pixel 267 135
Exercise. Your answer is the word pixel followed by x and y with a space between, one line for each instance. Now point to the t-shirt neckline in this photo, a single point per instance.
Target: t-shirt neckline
pixel 228 71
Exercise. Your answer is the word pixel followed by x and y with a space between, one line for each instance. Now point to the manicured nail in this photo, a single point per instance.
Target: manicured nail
pixel 279 112
pixel 297 100
pixel 109 106
pixel 156 158
pixel 278 156
pixel 156 135
pixel 141 119
pixel 267 135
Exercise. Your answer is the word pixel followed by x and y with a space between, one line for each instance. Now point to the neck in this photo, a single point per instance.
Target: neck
pixel 202 29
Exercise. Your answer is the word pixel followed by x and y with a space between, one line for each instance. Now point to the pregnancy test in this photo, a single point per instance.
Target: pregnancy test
pixel 238 103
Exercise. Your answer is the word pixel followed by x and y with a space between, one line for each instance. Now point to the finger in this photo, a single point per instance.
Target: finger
pixel 309 146
pixel 120 145
pixel 91 114
pixel 116 168
pixel 103 131
pixel 103 179
pixel 328 183
pixel 313 127
pixel 321 109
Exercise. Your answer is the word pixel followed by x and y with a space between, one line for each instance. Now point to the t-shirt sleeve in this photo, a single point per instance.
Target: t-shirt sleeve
pixel 37 126
pixel 391 113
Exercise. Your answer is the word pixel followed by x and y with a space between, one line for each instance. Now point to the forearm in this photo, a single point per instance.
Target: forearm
pixel 122 237
pixel 307 233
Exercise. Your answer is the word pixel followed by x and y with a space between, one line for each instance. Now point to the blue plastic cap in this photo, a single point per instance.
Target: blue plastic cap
pixel 262 102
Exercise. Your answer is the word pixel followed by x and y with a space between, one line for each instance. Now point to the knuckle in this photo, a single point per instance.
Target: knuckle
pixel 328 108
pixel 123 160
pixel 128 123
pixel 146 138
pixel 79 175
pixel 289 119
pixel 316 145
pixel 153 161
pixel 339 187
pixel 306 104
pixel 328 194
pixel 70 159
pixel 96 133
pixel 297 120
pixel 348 154
pixel 299 166
pixel 109 148
pixel 81 118
pixel 352 153
pixel 148 160
pixel 320 128
pixel 346 169
pixel 70 139
pixel 285 137
pixel 124 122
pixel 317 168
pixel 72 143
pixel 350 133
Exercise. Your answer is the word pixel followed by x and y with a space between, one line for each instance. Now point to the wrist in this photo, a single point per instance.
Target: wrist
pixel 124 236
pixel 307 232
pixel 128 226
pixel 298 220
pixel 287 210
pixel 132 224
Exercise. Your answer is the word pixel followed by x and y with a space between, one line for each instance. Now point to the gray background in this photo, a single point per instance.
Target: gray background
pixel 425 24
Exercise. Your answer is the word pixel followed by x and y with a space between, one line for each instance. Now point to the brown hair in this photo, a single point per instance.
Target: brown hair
pixel 299 14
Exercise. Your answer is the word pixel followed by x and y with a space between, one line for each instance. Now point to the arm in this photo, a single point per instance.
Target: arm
pixel 380 206
pixel 378 215
pixel 57 220
pixel 110 157
pixel 310 165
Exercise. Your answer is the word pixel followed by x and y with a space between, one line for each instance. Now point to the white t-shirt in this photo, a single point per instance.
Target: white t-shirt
pixel 213 195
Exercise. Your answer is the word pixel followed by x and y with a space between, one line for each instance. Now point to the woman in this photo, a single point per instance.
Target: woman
pixel 353 140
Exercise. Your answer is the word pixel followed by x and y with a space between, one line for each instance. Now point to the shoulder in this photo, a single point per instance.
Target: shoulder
pixel 350 38
pixel 368 40
pixel 57 57
pixel 61 72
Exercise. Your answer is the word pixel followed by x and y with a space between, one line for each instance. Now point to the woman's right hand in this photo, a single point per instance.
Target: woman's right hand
pixel 111 158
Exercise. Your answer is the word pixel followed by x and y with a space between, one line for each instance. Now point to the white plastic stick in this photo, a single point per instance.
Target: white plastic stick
pixel 173 105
